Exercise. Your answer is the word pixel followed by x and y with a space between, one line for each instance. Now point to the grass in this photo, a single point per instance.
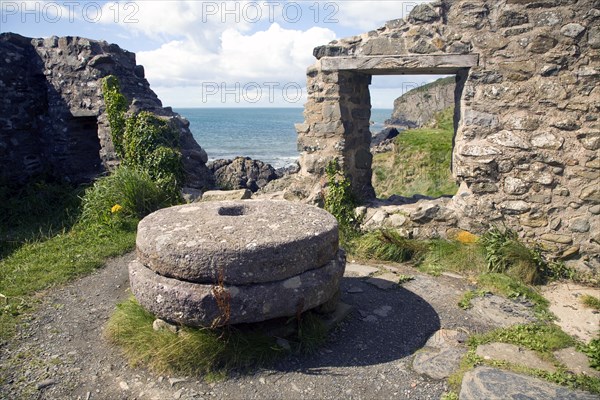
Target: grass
pixel 51 235
pixel 421 162
pixel 591 301
pixel 211 352
pixel 385 245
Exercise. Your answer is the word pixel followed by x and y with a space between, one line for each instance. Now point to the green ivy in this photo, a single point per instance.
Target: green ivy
pixel 116 107
pixel 144 141
pixel 339 200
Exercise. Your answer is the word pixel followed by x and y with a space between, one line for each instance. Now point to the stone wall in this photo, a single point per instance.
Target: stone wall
pixel 52 113
pixel 527 129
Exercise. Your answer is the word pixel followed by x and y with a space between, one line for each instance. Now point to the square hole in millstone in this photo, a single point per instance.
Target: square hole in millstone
pixel 232 211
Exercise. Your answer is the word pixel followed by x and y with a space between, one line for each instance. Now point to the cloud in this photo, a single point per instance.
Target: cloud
pixel 275 54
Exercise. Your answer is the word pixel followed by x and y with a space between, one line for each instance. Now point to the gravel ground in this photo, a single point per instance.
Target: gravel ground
pixel 60 352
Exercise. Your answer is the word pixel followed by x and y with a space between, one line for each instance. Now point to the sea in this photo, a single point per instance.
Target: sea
pixel 265 134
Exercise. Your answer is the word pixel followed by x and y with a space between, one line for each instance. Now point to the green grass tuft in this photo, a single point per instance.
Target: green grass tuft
pixel 202 351
pixel 450 255
pixel 386 245
pixel 133 190
pixel 591 301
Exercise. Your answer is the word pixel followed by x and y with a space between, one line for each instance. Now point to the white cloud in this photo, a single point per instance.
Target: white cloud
pixel 273 55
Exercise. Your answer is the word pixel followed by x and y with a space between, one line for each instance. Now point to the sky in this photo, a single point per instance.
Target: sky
pixel 219 53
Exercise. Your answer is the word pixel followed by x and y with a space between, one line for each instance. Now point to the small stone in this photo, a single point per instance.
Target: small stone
pixel 572 30
pixel 556 238
pixel 579 225
pixel 516 206
pixel 422 13
pixel 174 381
pixel 571 251
pixel 160 324
pixel 45 383
pixel 595 209
pixel 547 141
pixel 177 394
pixel 590 193
pixel 123 385
pixel 515 185
pixel 576 362
pixel 221 195
pixel 284 344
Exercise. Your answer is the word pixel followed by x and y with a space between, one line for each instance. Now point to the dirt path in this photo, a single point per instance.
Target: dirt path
pixel 61 354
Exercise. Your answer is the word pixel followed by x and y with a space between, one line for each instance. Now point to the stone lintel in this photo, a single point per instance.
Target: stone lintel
pixel 403 64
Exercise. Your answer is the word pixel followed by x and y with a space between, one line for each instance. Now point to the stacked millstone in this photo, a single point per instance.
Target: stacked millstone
pixel 217 263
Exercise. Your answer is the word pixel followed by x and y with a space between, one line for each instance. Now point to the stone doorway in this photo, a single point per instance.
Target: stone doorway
pixel 412 151
pixel 337 113
pixel 82 148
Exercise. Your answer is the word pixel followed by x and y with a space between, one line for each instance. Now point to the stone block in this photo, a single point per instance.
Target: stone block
pixel 223 195
pixel 237 242
pixel 206 305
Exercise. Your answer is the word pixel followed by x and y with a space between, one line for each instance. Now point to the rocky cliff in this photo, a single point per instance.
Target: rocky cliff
pixel 52 113
pixel 416 107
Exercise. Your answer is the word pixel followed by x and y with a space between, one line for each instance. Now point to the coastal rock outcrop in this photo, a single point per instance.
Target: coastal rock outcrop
pixel 52 113
pixel 417 107
pixel 242 173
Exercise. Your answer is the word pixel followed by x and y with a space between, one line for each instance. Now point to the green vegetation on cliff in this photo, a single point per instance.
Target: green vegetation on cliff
pixel 420 162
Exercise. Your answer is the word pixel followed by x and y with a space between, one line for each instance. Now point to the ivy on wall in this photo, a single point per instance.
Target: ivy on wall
pixel 143 140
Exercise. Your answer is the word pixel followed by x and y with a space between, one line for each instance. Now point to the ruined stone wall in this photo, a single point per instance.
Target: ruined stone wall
pixel 52 113
pixel 527 129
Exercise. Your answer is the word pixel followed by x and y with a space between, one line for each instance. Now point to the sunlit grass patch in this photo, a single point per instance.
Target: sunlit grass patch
pixel 211 352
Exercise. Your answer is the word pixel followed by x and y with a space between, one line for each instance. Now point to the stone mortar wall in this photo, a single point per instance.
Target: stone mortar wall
pixel 528 135
pixel 49 85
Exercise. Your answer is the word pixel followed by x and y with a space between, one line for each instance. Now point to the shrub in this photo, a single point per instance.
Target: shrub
pixel 132 190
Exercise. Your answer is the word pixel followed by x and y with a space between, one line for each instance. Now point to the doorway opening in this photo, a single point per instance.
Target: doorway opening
pixel 412 152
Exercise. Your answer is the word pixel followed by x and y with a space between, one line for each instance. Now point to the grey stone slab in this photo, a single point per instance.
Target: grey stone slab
pixel 387 64
pixel 513 354
pixel 438 364
pixel 494 384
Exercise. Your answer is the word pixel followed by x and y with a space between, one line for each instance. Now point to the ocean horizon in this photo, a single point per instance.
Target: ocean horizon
pixel 265 134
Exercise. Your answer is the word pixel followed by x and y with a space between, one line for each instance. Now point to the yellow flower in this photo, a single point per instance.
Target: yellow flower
pixel 116 208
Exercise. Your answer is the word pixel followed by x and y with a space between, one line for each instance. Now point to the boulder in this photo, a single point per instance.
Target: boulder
pixel 242 173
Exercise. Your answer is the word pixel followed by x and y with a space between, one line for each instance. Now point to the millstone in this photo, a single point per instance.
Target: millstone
pixel 197 304
pixel 237 242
